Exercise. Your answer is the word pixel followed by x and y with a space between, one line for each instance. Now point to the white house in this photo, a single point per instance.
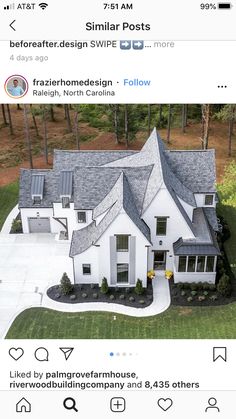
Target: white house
pixel 126 212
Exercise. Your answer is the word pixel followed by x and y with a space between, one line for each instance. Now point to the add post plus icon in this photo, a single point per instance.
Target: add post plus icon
pixel 67 352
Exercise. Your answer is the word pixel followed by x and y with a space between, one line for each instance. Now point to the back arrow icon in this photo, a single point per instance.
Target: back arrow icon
pixel 12 24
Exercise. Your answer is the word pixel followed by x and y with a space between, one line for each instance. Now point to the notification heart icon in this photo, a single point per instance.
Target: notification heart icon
pixel 16 353
pixel 165 404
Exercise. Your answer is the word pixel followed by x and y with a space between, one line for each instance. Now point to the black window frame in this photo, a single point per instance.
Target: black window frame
pixel 163 221
pixel 85 266
pixel 85 217
pixel 189 263
pixel 182 257
pixel 212 258
pixel 65 202
pixel 37 199
pixel 122 248
pixel 207 196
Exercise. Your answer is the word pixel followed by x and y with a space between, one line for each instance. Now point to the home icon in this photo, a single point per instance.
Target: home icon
pixel 23 406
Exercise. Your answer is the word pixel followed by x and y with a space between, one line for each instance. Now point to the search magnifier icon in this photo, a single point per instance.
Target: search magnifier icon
pixel 70 404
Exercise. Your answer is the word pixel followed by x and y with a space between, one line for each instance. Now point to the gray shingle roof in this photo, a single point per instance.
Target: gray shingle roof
pixel 195 168
pixel 210 213
pixel 92 185
pixel 68 160
pixel 119 197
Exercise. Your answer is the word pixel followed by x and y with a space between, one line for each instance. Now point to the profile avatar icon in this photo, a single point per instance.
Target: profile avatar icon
pixel 212 402
pixel 16 86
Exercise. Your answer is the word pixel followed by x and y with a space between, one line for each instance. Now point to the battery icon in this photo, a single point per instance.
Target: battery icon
pixel 224 6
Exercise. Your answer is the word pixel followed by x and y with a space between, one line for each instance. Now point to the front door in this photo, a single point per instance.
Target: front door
pixel 159 261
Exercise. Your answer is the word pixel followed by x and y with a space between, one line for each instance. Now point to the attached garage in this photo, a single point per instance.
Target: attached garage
pixel 39 225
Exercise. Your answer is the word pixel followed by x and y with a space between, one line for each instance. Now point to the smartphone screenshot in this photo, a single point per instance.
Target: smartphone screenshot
pixel 117 209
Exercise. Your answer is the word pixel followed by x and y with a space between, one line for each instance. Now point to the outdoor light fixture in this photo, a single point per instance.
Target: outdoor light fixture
pixel 37 214
pixel 160 242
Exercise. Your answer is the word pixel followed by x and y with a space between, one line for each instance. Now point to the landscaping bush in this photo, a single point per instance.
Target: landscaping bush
pixel 224 286
pixel 66 286
pixel 95 295
pixel 193 293
pixel 16 226
pixel 84 295
pixel 194 286
pixel 112 297
pixel 213 297
pixel 190 299
pixel 122 297
pixel 127 290
pixel 206 293
pixel 72 297
pixel 139 287
pixel 104 286
pixel 131 299
pixel 180 285
pixel 183 293
pixel 201 298
pixel 141 301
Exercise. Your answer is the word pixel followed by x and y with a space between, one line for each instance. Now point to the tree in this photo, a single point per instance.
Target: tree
pixel 52 115
pixel 160 116
pixel 4 115
pixel 149 119
pixel 224 286
pixel 66 285
pixel 34 120
pixel 76 126
pixel 104 286
pixel 10 120
pixel 27 136
pixel 126 126
pixel 206 117
pixel 139 287
pixel 184 118
pixel 67 117
pixel 169 123
pixel 45 133
pixel 228 113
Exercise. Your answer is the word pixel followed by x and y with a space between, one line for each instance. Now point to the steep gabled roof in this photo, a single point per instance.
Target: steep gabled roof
pixel 120 198
pixel 194 168
pixel 93 184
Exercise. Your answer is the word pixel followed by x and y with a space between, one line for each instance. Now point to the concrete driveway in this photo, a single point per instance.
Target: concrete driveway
pixel 29 263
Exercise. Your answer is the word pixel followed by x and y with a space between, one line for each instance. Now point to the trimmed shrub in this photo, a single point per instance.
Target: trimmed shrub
pixel 104 286
pixel 141 301
pixel 127 290
pixel 66 286
pixel 193 293
pixel 201 298
pixel 57 296
pixel 180 285
pixel 194 286
pixel 183 293
pixel 224 286
pixel 72 297
pixel 16 226
pixel 131 299
pixel 122 297
pixel 139 287
pixel 206 293
pixel 84 295
pixel 190 299
pixel 213 297
pixel 112 297
pixel 95 295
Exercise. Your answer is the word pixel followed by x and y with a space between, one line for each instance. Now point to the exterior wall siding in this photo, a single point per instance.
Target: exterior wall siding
pixel 164 206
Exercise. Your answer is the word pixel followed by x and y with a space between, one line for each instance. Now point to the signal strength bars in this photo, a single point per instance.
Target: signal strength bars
pixel 9 7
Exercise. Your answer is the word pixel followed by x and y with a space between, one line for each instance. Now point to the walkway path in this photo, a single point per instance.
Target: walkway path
pixel 30 263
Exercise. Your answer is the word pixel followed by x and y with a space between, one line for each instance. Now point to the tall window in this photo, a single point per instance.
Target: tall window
pixel 201 263
pixel 208 199
pixel 161 226
pixel 182 263
pixel 210 264
pixel 122 273
pixel 81 216
pixel 65 202
pixel 122 243
pixel 191 263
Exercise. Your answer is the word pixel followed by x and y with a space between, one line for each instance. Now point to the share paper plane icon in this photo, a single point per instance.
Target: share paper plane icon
pixel 67 352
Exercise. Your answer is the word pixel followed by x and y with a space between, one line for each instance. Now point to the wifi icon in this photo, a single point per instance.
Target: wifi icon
pixel 43 5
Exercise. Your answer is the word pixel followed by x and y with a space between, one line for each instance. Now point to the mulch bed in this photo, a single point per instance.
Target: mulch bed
pixel 90 293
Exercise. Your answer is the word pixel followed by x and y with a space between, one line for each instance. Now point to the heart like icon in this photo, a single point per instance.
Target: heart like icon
pixel 165 404
pixel 16 353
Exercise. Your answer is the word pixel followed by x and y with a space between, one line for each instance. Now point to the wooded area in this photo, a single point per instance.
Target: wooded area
pixel 124 121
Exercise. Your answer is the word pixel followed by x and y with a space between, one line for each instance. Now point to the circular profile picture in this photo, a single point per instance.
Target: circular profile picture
pixel 16 86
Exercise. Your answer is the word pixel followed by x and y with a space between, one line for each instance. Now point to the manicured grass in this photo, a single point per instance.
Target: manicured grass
pixel 175 323
pixel 8 199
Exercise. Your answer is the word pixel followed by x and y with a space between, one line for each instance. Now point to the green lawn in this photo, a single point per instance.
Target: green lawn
pixel 8 199
pixel 175 323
